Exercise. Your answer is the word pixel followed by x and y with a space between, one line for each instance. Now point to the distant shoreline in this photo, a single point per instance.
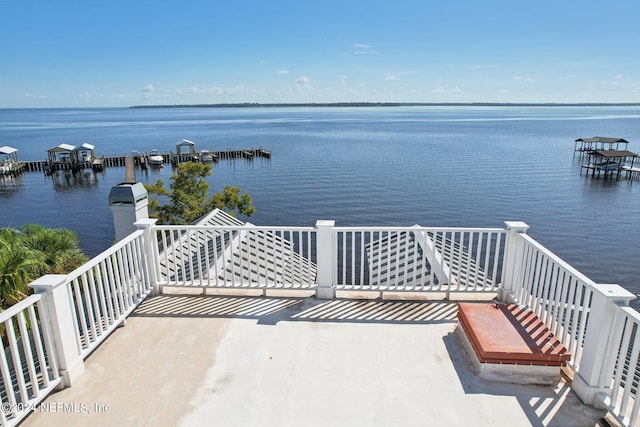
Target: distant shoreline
pixel 390 104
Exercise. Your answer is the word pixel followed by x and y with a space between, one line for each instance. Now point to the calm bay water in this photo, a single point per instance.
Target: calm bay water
pixel 434 166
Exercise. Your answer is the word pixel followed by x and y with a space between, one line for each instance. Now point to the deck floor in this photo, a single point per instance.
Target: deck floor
pixel 266 361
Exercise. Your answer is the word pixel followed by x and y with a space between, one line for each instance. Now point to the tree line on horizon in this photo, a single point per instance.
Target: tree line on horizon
pixel 394 104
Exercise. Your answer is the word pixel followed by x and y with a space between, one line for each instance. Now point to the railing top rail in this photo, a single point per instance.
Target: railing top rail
pixel 559 261
pixel 19 306
pixel 232 227
pixel 421 228
pixel 341 229
pixel 100 257
pixel 630 312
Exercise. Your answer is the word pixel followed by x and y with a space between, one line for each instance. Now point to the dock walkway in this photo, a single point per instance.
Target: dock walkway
pixel 141 161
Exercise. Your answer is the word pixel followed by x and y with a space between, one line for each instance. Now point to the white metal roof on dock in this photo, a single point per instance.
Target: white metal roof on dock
pixel 5 149
pixel 61 148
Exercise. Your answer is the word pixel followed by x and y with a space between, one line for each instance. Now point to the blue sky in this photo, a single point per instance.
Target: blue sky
pixel 99 53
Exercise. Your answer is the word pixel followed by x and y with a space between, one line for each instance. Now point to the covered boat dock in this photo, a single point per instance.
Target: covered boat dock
pixel 9 164
pixel 611 163
pixel 66 156
pixel 586 145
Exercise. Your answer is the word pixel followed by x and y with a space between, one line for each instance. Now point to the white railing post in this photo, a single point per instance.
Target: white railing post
pixel 150 250
pixel 587 382
pixel 325 259
pixel 512 259
pixel 59 315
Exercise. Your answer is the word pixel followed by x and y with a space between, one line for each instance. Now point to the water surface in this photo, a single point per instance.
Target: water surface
pixel 434 166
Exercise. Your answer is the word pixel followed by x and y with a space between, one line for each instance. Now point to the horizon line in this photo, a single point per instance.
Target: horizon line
pixel 392 104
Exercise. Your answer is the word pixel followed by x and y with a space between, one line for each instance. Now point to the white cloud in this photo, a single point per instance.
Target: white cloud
pixel 364 49
pixel 525 79
pixel 396 75
pixel 443 91
pixel 30 95
pixel 147 91
pixel 615 81
pixel 282 72
pixel 303 83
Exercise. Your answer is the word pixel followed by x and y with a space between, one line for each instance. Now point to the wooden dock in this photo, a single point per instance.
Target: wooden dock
pixel 141 160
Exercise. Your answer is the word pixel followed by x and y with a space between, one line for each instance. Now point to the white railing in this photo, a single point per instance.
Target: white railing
pixel 105 290
pixel 236 257
pixel 593 321
pixel 48 335
pixel 621 370
pixel 418 259
pixel 559 294
pixel 28 363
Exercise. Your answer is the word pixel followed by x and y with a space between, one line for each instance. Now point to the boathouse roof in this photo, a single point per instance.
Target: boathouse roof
pixel 85 146
pixel 61 148
pixel 615 153
pixel 186 142
pixel 5 149
pixel 603 139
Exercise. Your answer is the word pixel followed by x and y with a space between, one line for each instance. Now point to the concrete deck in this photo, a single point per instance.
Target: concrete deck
pixel 265 361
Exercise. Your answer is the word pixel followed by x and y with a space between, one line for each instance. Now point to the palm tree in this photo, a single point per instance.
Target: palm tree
pixel 19 265
pixel 58 246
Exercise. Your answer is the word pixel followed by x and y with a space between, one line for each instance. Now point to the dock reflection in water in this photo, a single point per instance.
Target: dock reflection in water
pixel 67 180
pixel 10 185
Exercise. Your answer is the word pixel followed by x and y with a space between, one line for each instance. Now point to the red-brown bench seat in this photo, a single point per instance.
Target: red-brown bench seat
pixel 510 335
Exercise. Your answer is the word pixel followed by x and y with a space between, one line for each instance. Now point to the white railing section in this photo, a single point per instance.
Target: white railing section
pixel 621 371
pixel 236 256
pixel 105 290
pixel 28 363
pixel 416 259
pixel 559 294
pixel 46 337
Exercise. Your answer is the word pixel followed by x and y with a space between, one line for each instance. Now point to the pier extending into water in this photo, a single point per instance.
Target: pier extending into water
pixel 142 160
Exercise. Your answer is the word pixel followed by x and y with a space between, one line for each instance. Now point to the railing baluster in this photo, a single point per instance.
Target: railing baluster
pixel 104 286
pixel 37 340
pixel 17 361
pixel 28 353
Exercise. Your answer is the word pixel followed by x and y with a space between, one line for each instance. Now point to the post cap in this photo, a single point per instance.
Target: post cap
pixel 48 282
pixel 517 226
pixel 325 223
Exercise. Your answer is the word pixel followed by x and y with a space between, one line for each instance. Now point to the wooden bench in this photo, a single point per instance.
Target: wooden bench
pixel 509 343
